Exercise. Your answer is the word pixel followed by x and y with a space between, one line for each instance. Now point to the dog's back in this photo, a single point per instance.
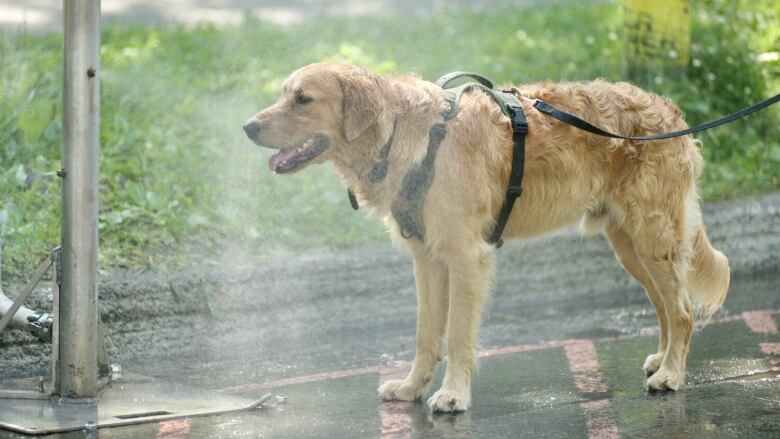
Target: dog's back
pixel 617 107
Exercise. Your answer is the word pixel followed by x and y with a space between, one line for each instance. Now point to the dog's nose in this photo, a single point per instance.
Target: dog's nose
pixel 252 128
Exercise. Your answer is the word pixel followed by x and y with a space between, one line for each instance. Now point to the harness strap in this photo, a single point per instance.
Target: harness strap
pixel 407 206
pixel 502 98
pixel 514 189
pixel 408 203
pixel 586 126
pixel 353 199
pixel 449 77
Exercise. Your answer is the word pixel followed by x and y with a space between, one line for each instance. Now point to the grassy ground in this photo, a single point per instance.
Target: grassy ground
pixel 178 174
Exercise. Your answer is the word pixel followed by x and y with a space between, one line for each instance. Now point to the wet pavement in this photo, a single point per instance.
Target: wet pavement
pixel 562 343
pixel 584 388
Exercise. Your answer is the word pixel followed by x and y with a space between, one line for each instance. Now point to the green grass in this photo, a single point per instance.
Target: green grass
pixel 177 173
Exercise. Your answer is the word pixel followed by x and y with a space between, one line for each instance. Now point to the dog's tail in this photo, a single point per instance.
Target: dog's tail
pixel 709 275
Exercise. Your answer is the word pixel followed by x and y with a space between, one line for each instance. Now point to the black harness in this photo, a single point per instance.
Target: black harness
pixel 408 203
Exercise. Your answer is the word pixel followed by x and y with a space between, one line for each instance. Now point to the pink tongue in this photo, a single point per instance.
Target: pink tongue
pixel 275 160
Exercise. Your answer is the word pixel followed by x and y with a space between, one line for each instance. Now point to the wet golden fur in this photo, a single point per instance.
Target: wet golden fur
pixel 641 195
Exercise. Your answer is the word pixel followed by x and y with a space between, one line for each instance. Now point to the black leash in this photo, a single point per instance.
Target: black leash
pixel 583 125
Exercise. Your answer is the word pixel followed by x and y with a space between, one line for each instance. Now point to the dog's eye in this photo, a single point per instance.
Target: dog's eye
pixel 303 99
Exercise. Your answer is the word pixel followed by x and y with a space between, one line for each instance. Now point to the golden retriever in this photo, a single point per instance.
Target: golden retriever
pixel 642 195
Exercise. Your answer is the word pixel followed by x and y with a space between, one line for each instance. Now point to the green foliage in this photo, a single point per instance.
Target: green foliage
pixel 177 173
pixel 30 133
pixel 734 64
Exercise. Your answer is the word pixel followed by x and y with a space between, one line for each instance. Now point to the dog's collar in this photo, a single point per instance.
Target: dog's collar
pixel 379 170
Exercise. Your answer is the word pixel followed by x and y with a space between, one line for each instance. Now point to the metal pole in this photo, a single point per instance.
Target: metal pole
pixel 77 363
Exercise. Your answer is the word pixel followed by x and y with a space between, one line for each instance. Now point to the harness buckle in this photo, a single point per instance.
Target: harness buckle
pixel 514 190
pixel 519 123
pixel 437 131
pixel 519 126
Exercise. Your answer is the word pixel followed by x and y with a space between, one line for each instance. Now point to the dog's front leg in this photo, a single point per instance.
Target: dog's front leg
pixel 469 277
pixel 431 281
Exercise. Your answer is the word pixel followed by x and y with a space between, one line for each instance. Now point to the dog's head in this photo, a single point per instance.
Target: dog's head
pixel 324 111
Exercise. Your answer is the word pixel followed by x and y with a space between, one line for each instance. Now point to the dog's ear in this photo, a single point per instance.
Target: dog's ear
pixel 363 101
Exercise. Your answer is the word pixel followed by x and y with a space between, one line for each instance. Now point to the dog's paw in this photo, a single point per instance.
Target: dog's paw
pixel 400 390
pixel 652 363
pixel 450 400
pixel 664 380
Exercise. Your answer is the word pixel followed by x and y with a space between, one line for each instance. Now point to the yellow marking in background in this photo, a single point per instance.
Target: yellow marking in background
pixel 658 32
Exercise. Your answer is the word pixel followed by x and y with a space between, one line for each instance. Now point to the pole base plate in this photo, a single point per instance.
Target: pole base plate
pixel 135 399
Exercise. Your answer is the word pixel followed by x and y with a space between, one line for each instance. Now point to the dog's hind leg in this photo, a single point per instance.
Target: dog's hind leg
pixel 431 282
pixel 470 271
pixel 662 241
pixel 621 243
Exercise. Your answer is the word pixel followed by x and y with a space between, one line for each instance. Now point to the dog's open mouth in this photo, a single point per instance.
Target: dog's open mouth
pixel 292 159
